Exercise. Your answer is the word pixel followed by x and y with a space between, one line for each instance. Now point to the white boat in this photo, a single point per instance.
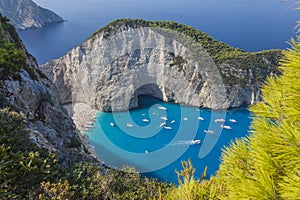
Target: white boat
pixel 173 121
pixel 146 152
pixel 220 120
pixel 89 126
pixel 226 127
pixel 197 109
pixel 185 119
pixel 209 131
pixel 167 127
pixel 112 124
pixel 201 118
pixel 90 123
pixel 129 125
pixel 161 108
pixel 145 120
pixel 162 124
pixel 195 142
pixel 143 114
pixel 86 129
pixel 164 118
pixel 232 120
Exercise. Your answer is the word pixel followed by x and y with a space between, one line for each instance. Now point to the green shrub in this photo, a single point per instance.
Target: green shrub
pixel 11 59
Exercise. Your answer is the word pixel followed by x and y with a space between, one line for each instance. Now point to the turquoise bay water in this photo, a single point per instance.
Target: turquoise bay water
pixel 156 151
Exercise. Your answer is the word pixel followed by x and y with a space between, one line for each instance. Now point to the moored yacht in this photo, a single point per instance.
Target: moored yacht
pixel 129 125
pixel 195 142
pixel 145 120
pixel 209 131
pixel 232 120
pixel 226 127
pixel 220 120
pixel 161 108
pixel 201 118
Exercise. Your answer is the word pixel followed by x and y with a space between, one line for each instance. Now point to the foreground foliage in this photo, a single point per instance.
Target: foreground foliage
pixel 267 164
pixel 28 172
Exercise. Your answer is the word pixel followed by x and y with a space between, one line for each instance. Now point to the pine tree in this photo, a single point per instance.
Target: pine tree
pixel 267 164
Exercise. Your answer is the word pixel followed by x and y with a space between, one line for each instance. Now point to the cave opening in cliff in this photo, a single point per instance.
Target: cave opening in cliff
pixel 147 95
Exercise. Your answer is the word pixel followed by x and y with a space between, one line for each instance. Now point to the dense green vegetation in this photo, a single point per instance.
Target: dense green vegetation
pixel 12 58
pixel 28 172
pixel 267 164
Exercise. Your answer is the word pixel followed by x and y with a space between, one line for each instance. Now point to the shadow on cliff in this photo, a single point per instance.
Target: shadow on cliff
pixel 147 95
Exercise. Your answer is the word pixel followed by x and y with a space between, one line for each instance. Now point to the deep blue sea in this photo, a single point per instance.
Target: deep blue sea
pixel 252 25
pixel 140 138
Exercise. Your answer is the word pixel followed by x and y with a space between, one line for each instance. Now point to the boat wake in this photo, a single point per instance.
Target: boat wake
pixel 185 142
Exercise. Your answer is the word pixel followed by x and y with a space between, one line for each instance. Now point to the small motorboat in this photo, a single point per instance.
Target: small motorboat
pixel 161 108
pixel 145 120
pixel 167 127
pixel 129 125
pixel 162 124
pixel 143 114
pixel 220 120
pixel 209 131
pixel 197 109
pixel 112 124
pixel 185 119
pixel 201 118
pixel 232 120
pixel 173 121
pixel 90 123
pixel 195 142
pixel 164 118
pixel 226 127
pixel 89 126
pixel 146 152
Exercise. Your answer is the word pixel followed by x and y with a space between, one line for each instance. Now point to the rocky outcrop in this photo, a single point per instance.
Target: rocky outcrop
pixel 30 92
pixel 25 14
pixel 129 58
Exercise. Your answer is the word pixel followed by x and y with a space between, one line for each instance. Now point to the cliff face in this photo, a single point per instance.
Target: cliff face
pixel 25 89
pixel 166 60
pixel 25 14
